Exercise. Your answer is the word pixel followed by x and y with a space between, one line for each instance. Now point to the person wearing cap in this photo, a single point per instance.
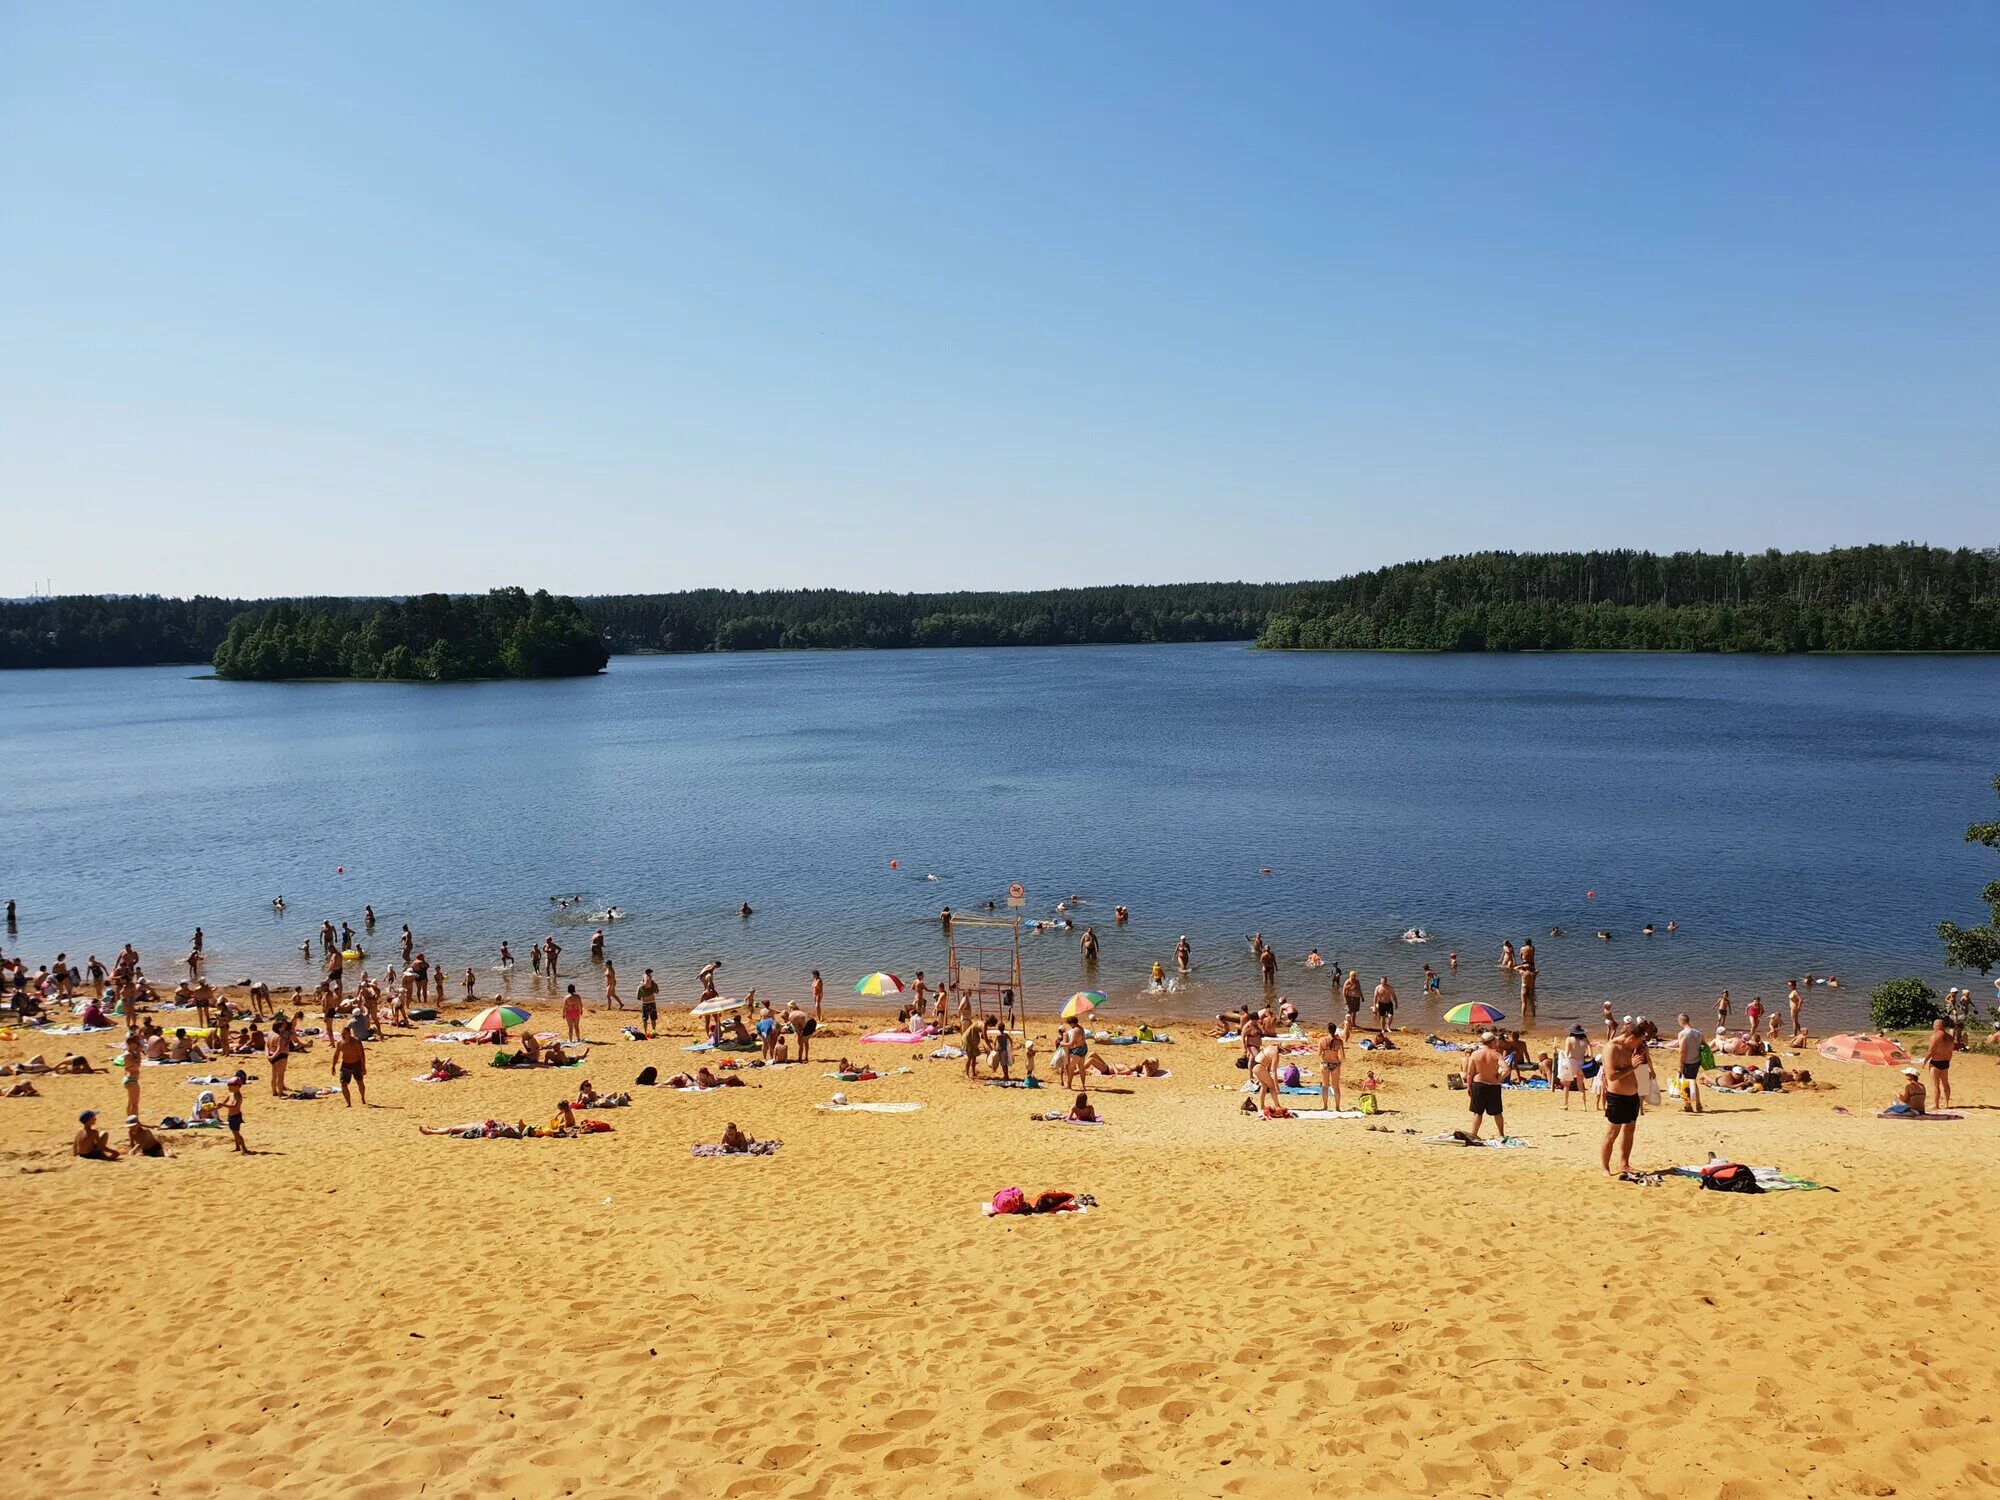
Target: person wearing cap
pixel 1482 1085
pixel 142 1140
pixel 91 1143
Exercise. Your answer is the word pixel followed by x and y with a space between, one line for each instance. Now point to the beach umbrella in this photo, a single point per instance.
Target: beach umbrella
pixel 1081 1004
pixel 1474 1013
pixel 498 1018
pixel 1882 1051
pixel 879 984
pixel 716 1006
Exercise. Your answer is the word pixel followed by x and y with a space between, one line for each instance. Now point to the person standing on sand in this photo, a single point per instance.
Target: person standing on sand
pixel 1610 1024
pixel 277 1052
pixel 1482 1085
pixel 1756 1015
pixel 1795 1002
pixel 573 1013
pixel 1570 1058
pixel 1621 1096
pixel 973 1039
pixel 1690 1041
pixel 1385 1005
pixel 649 1003
pixel 1937 1060
pixel 803 1026
pixel 1350 995
pixel 1265 1071
pixel 1003 1053
pixel 351 1058
pixel 133 1060
pixel 1332 1055
pixel 232 1110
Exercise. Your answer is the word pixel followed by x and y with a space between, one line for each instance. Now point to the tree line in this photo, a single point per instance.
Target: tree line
pixel 431 638
pixel 1900 598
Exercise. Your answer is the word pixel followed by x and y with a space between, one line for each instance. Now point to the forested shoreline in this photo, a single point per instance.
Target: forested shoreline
pixel 1900 598
pixel 431 638
pixel 1879 598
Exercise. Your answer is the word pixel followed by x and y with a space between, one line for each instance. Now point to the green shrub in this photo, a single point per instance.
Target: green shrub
pixel 1903 1005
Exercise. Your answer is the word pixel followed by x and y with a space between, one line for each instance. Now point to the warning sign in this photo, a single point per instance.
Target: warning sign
pixel 1017 894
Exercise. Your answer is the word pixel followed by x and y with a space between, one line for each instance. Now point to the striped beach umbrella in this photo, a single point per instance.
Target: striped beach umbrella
pixel 498 1018
pixel 1081 1004
pixel 1473 1013
pixel 879 983
pixel 716 1006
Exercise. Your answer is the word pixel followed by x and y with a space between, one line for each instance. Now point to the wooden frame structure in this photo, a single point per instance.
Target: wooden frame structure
pixel 987 966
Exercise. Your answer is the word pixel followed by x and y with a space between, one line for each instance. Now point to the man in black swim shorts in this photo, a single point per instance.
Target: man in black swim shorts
pixel 1482 1084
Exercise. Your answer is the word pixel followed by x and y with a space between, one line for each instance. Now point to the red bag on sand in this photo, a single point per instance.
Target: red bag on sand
pixel 1053 1202
pixel 1010 1201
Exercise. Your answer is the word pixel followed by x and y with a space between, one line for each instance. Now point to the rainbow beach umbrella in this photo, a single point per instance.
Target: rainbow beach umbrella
pixel 879 983
pixel 1081 1004
pixel 1474 1013
pixel 498 1018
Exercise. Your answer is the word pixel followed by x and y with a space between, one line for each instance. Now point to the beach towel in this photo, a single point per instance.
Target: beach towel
pixel 309 1093
pixel 216 1078
pixel 1461 1138
pixel 1443 1046
pixel 948 1053
pixel 869 1109
pixel 1325 1114
pixel 724 1047
pixel 1013 1083
pixel 757 1148
pixel 1895 1112
pixel 902 1038
pixel 1531 1083
pixel 1055 1119
pixel 1301 1089
pixel 459 1036
pixel 1768 1179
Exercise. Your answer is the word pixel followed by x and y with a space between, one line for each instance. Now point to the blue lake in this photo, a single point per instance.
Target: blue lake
pixel 1789 814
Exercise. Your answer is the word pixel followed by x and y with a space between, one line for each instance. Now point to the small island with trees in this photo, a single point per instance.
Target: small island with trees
pixel 429 638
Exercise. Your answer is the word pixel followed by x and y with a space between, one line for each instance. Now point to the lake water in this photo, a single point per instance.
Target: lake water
pixel 1789 814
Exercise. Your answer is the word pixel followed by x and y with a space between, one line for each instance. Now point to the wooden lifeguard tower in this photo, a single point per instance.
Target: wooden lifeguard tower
pixel 983 962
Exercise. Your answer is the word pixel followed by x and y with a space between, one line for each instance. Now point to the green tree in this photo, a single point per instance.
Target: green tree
pixel 1978 947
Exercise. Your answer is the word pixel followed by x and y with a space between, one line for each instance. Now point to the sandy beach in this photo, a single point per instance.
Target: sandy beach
pixel 1253 1308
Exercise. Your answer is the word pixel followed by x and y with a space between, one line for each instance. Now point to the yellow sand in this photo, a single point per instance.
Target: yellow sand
pixel 1256 1308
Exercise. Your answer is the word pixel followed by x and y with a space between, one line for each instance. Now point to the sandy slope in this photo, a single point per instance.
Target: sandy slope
pixel 1256 1308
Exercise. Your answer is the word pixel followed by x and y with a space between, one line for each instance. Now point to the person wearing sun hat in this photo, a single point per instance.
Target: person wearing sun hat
pixel 142 1141
pixel 1911 1101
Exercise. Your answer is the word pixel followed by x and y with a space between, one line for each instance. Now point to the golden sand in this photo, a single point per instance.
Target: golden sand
pixel 1256 1308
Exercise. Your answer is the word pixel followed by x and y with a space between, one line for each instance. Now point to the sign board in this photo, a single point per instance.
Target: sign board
pixel 968 981
pixel 1017 895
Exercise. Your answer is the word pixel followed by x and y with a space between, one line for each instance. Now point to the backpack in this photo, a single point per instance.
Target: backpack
pixel 1729 1177
pixel 1707 1058
pixel 1010 1201
pixel 1369 1106
pixel 648 1076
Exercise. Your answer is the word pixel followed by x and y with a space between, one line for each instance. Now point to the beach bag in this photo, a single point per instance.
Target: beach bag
pixel 648 1076
pixel 1053 1201
pixel 1706 1060
pixel 1010 1201
pixel 1369 1106
pixel 1729 1177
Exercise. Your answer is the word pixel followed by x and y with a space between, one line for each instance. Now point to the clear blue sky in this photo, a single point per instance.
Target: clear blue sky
pixel 374 298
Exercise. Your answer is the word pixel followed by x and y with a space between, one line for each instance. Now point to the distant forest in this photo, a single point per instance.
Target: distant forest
pixel 1900 598
pixel 431 638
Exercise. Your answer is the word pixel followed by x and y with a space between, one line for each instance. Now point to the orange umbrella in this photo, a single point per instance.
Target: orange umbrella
pixel 1882 1051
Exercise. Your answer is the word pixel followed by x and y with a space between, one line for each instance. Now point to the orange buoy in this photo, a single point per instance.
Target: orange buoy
pixel 892 864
